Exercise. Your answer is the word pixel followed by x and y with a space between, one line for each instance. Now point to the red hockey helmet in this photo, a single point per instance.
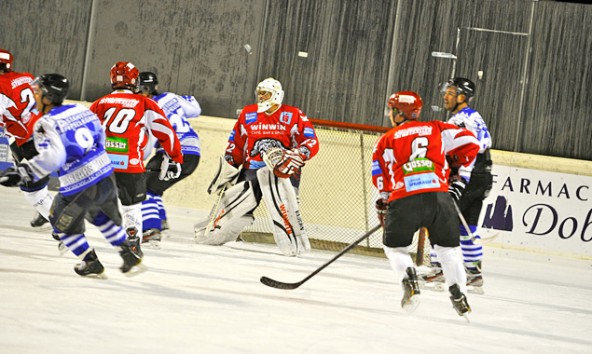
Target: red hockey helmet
pixel 5 60
pixel 124 75
pixel 407 103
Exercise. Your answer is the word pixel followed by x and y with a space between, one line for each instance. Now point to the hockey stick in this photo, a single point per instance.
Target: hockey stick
pixel 477 241
pixel 289 286
pixel 421 238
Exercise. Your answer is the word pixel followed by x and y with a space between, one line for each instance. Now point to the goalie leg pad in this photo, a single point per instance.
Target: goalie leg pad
pixel 280 198
pixel 228 217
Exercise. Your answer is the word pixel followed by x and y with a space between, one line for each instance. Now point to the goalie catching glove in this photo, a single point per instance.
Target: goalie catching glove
pixel 169 169
pixel 283 163
pixel 16 175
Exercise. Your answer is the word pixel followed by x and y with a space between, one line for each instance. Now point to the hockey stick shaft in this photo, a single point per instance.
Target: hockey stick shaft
pixel 289 286
pixel 466 226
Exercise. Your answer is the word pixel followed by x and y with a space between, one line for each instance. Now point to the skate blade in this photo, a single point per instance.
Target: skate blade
pixel 412 304
pixel 154 244
pixel 136 270
pixel 432 286
pixel 466 317
pixel 102 276
pixel 62 248
pixel 477 290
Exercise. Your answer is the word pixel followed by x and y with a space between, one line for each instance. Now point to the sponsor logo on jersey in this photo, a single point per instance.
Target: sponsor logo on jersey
pixel 251 117
pixel 421 181
pixel 20 81
pixel 119 162
pixel 261 127
pixel 376 170
pixel 421 131
pixel 125 102
pixel 114 144
pixel 420 164
pixel 134 162
pixel 309 132
pixel 286 117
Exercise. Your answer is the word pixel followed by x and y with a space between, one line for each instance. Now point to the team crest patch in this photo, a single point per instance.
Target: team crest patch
pixel 286 117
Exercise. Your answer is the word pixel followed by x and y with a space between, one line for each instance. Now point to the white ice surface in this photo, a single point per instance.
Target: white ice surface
pixel 207 299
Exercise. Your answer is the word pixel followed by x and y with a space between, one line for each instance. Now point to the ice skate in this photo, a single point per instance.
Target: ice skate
pixel 38 220
pixel 459 301
pixel 475 279
pixel 134 240
pixel 152 237
pixel 434 280
pixel 132 259
pixel 90 266
pixel 62 248
pixel 411 291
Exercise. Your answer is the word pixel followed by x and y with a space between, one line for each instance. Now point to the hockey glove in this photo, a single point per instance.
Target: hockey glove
pixel 16 175
pixel 290 164
pixel 457 188
pixel 169 169
pixel 381 208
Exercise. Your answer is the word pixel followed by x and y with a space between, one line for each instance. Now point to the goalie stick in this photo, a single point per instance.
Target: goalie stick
pixel 290 286
pixel 477 241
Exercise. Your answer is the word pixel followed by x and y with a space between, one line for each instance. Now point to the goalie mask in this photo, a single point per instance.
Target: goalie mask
pixel 5 60
pixel 124 75
pixel 268 93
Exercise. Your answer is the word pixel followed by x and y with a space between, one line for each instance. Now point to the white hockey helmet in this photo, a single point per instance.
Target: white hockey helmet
pixel 277 94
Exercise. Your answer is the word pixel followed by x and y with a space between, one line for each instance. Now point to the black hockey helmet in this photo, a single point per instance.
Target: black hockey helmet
pixel 53 86
pixel 148 82
pixel 463 86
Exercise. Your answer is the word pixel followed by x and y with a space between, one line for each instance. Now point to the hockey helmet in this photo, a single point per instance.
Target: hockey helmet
pixel 406 103
pixel 463 87
pixel 5 60
pixel 148 82
pixel 124 75
pixel 54 87
pixel 272 86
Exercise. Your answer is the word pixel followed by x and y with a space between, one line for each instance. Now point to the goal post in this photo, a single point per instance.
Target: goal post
pixel 336 191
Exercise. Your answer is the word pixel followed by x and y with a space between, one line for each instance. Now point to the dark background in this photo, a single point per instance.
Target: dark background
pixel 535 91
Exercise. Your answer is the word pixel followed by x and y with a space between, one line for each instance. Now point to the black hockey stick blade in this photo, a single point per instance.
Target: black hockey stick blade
pixel 280 285
pixel 290 286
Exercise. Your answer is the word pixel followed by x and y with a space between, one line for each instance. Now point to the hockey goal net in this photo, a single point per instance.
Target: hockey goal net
pixel 336 191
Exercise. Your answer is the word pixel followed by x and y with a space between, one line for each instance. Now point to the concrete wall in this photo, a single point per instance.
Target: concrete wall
pixel 534 55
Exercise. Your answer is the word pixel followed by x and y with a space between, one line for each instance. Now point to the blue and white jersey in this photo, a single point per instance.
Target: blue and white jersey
pixel 178 109
pixel 471 119
pixel 71 140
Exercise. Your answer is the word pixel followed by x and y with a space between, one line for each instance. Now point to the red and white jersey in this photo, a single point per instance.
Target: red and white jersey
pixel 129 119
pixel 17 101
pixel 254 133
pixel 411 158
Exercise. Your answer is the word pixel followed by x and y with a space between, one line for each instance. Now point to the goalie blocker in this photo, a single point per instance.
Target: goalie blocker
pixel 236 203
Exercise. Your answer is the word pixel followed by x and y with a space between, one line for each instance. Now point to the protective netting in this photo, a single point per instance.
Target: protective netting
pixel 336 192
